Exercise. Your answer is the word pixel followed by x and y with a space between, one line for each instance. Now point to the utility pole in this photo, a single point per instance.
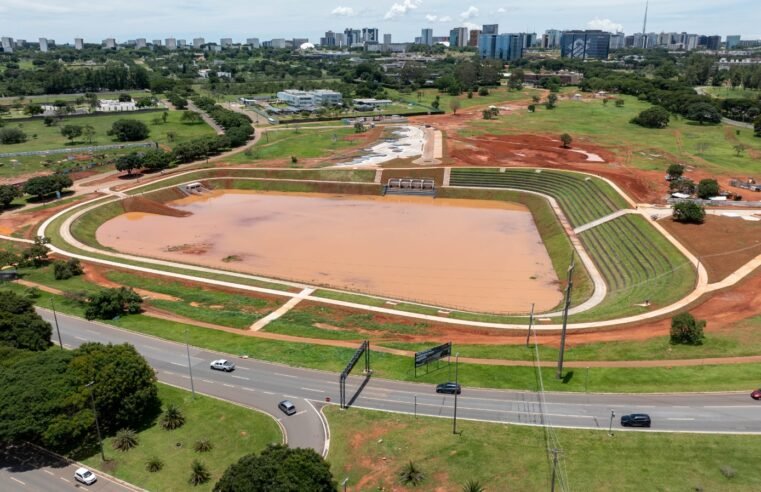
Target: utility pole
pixel 346 480
pixel 190 367
pixel 530 324
pixel 456 390
pixel 55 318
pixel 565 318
pixel 555 452
pixel 610 426
pixel 97 424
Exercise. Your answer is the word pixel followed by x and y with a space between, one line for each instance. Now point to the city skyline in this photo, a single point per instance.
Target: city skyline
pixel 404 19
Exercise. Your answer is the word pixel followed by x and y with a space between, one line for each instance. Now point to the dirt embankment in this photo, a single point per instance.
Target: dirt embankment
pixel 146 205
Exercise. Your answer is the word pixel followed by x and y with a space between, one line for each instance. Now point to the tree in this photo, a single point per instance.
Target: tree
pixel 110 303
pixel 88 131
pixel 359 127
pixel 9 136
pixel 473 486
pixel 172 418
pixel 71 131
pixel 515 82
pixel 199 474
pixel 675 171
pixel 278 469
pixel 129 130
pixel 739 149
pixel 20 325
pixel 129 162
pixel 566 139
pixel 686 330
pixel 536 99
pixel 552 100
pixel 50 120
pixel 41 186
pixel 154 464
pixel 63 270
pixel 125 440
pixel 125 97
pixel 436 103
pixel 689 212
pixel 411 474
pixel 682 185
pixel 454 105
pixel 620 103
pixel 757 127
pixel 8 193
pixel 655 117
pixel 36 255
pixel 156 160
pixel 33 109
pixel 483 91
pixel 532 108
pixel 703 112
pixel 190 117
pixel 708 188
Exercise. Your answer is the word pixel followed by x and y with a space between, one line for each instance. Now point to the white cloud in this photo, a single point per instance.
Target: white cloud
pixel 438 18
pixel 471 26
pixel 343 11
pixel 604 25
pixel 445 18
pixel 431 17
pixel 401 9
pixel 501 10
pixel 470 13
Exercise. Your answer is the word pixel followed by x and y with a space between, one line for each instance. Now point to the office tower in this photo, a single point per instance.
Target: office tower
pixel 43 45
pixel 426 37
pixel 490 29
pixel 79 43
pixel 171 43
pixel 198 42
pixel 585 45
pixel 386 39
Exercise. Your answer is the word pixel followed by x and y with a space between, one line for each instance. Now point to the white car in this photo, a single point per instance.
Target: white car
pixel 85 476
pixel 222 365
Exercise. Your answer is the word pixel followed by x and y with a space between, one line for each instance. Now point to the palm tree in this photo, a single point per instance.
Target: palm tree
pixel 199 473
pixel 411 475
pixel 473 486
pixel 125 440
pixel 203 446
pixel 172 418
pixel 154 464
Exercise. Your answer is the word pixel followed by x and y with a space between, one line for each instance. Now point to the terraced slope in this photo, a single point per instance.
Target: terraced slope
pixel 583 198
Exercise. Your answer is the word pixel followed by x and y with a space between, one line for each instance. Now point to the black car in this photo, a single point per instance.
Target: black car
pixel 449 388
pixel 636 420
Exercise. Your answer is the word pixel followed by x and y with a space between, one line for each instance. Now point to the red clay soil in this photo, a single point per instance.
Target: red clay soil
pixel 145 205
pixel 723 244
pixel 28 220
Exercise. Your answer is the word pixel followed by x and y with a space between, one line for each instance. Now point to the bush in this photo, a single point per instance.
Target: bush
pixel 411 475
pixel 125 440
pixel 10 136
pixel 154 464
pixel 199 473
pixel 203 446
pixel 129 130
pixel 172 418
pixel 110 303
pixel 8 193
pixel 686 330
pixel 63 270
pixel 703 112
pixel 689 213
pixel 655 117
pixel 675 171
pixel 566 139
pixel 483 91
pixel 708 188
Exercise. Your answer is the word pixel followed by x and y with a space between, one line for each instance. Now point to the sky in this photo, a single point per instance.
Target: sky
pixel 64 20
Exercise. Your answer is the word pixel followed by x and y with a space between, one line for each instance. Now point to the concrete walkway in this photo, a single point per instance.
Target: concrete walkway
pixel 282 310
pixel 603 220
pixel 206 118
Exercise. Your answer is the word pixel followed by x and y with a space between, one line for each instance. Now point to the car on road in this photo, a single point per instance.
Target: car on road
pixel 636 420
pixel 85 476
pixel 449 388
pixel 287 407
pixel 222 365
pixel 756 395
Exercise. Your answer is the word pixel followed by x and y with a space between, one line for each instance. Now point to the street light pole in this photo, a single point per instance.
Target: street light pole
pixel 190 367
pixel 456 390
pixel 97 424
pixel 346 480
pixel 55 318
pixel 530 324
pixel 610 426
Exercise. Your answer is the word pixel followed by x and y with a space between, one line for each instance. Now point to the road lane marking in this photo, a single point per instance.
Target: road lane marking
pixel 178 364
pixel 64 479
pixel 243 378
pixel 49 472
pixel 207 381
pixel 228 385
pixel 291 396
pixel 315 390
pixel 680 418
pixel 80 338
pixel 284 375
pixel 299 413
pixel 247 389
pixel 17 480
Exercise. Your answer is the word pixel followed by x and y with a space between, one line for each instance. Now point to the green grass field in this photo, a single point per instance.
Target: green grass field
pixel 496 96
pixel 234 432
pixel 708 147
pixel 725 92
pixel 301 143
pixel 371 447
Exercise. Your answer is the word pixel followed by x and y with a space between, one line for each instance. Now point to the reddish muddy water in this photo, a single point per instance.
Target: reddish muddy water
pixel 474 255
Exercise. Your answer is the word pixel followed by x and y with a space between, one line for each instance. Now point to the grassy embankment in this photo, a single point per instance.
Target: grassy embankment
pixel 707 147
pixel 370 448
pixel 299 143
pixel 234 432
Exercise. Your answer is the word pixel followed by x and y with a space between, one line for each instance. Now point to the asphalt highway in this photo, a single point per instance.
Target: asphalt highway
pixel 261 385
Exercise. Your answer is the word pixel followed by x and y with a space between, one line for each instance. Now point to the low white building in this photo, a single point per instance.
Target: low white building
pixel 306 99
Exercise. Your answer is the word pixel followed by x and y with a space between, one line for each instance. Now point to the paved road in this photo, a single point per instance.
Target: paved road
pixel 27 469
pixel 261 384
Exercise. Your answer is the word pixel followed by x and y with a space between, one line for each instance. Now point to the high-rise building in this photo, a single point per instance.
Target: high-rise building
pixel 157 43
pixel 43 45
pixel 171 43
pixel 297 42
pixel 7 44
pixel 458 37
pixel 370 35
pixel 553 38
pixel 353 37
pixel 79 43
pixel 140 43
pixel 474 35
pixel 506 47
pixel 733 42
pixel 426 37
pixel 387 39
pixel 109 43
pixel 182 44
pixel 710 42
pixel 617 41
pixel 226 42
pixel 278 43
pixel 198 42
pixel 490 29
pixel 254 42
pixel 329 41
pixel 585 45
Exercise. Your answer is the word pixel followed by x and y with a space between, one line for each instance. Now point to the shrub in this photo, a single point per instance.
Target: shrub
pixel 473 486
pixel 675 171
pixel 10 136
pixel 566 139
pixel 110 303
pixel 708 188
pixel 199 473
pixel 203 446
pixel 154 464
pixel 483 91
pixel 172 418
pixel 125 440
pixel 655 117
pixel 63 270
pixel 411 475
pixel 689 213
pixel 686 330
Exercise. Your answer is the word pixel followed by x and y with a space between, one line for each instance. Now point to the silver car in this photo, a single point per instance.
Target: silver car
pixel 222 365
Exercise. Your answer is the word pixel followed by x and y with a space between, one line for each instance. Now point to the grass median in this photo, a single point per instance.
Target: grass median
pixel 371 448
